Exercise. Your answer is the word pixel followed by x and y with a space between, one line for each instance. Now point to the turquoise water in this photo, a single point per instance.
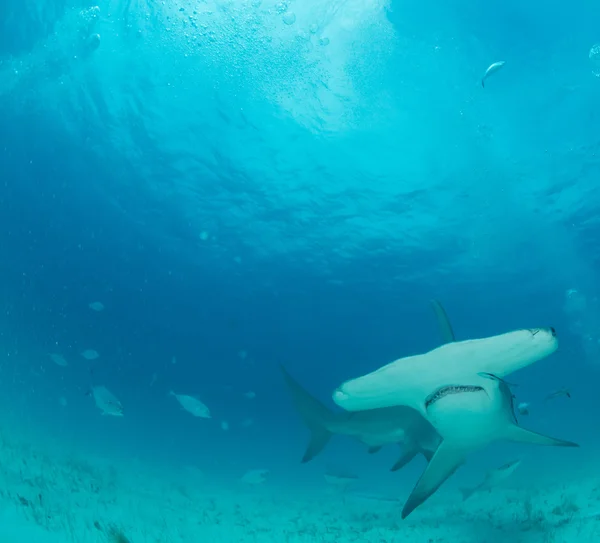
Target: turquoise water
pixel 194 192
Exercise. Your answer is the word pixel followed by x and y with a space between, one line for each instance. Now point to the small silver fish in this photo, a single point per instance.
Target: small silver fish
pixel 523 408
pixel 106 401
pixel 58 359
pixel 96 306
pixel 492 479
pixel 90 354
pixel 192 405
pixel 491 70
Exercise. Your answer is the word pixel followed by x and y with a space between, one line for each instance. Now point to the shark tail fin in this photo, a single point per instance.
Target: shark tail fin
pixel 443 322
pixel 314 414
pixel 521 435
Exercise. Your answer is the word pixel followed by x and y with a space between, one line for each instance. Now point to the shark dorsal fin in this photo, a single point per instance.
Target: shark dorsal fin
pixel 443 322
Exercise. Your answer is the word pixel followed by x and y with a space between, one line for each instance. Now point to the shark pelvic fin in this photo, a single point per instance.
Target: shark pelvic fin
pixel 407 455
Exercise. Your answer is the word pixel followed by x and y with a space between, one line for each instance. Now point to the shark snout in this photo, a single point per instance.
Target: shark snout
pixel 343 399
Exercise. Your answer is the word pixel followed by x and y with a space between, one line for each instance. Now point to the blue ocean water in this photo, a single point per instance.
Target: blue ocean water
pixel 247 183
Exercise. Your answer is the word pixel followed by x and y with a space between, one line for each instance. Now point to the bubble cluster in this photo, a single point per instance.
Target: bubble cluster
pixel 595 59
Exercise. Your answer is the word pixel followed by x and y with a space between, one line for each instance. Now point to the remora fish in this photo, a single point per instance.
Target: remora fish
pixel 374 428
pixel 492 479
pixel 557 393
pixel 491 70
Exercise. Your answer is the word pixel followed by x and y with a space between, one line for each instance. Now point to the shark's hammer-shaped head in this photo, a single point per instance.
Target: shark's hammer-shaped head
pixel 410 380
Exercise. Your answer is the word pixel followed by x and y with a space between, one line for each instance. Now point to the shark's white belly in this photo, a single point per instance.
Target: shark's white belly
pixel 470 419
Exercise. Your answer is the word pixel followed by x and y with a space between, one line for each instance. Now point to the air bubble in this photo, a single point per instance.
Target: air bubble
pixel 289 18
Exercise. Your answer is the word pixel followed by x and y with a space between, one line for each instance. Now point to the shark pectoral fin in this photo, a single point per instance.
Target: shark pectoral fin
pixel 407 455
pixel 373 450
pixel 446 460
pixel 521 435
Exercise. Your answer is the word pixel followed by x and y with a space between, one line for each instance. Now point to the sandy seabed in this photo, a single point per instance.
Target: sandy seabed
pixel 49 497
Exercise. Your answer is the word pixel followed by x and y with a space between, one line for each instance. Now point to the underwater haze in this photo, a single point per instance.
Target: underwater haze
pixel 195 192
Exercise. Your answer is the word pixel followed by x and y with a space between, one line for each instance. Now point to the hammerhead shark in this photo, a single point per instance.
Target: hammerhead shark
pixel 459 388
pixel 374 427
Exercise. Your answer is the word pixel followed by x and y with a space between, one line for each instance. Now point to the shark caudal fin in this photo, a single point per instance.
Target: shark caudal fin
pixel 314 414
pixel 521 435
pixel 443 322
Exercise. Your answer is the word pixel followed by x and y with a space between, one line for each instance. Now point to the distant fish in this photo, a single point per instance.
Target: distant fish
pixel 224 426
pixel 106 401
pixel 192 405
pixel 493 478
pixel 250 395
pixel 255 476
pixel 58 359
pixel 96 306
pixel 90 354
pixel 246 423
pixel 491 70
pixel 557 393
pixel 523 408
pixel 340 478
pixel 62 401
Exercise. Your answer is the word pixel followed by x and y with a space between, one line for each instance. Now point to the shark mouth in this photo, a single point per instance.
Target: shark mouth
pixel 452 389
